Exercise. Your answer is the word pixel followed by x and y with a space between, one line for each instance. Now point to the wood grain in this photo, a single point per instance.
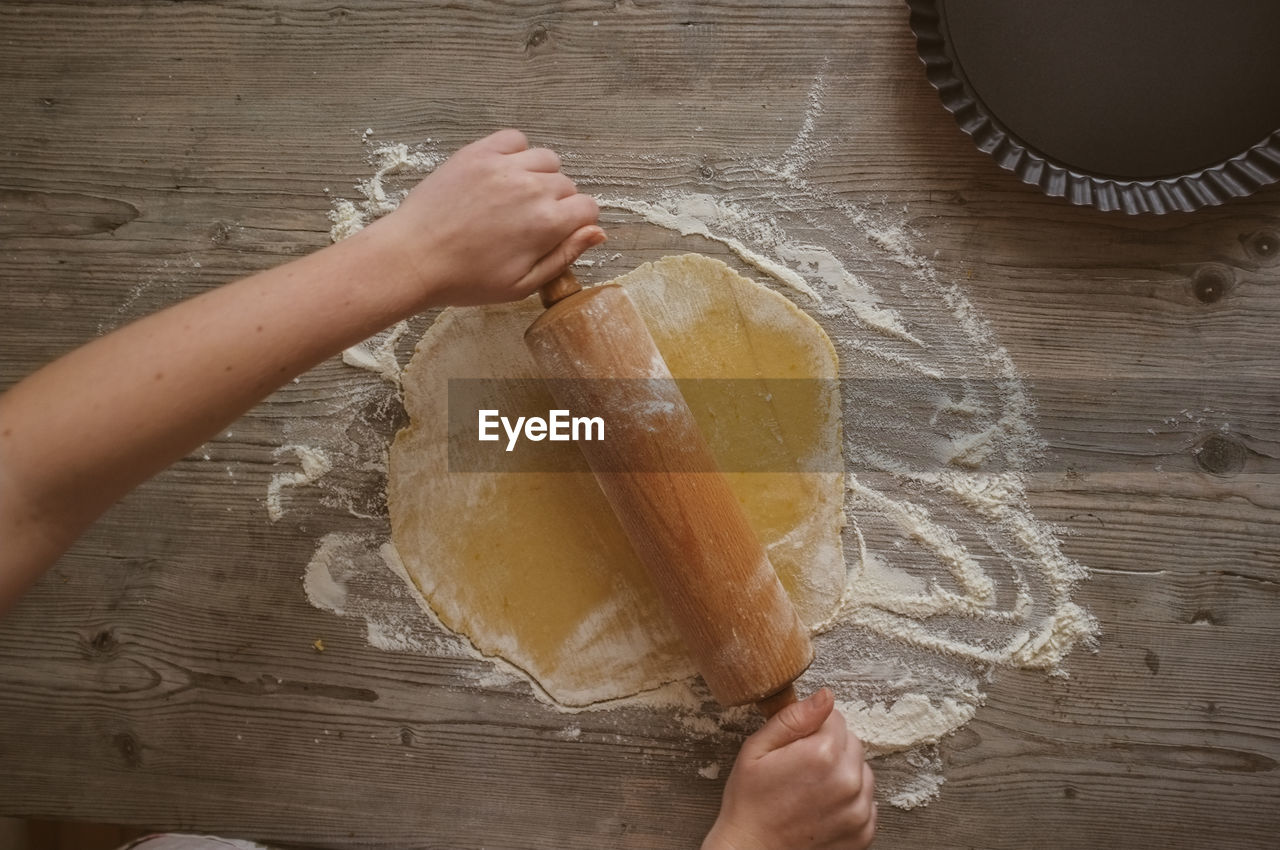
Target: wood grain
pixel 163 674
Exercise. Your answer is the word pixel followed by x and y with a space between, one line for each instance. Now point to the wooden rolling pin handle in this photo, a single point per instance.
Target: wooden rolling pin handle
pixel 769 706
pixel 559 289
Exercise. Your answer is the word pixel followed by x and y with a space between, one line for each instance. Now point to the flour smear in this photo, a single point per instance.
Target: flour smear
pixel 950 575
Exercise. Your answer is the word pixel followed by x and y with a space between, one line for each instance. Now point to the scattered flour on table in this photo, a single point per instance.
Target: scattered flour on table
pixel 378 353
pixel 950 575
pixel 157 287
pixel 389 160
pixel 315 464
pixel 347 575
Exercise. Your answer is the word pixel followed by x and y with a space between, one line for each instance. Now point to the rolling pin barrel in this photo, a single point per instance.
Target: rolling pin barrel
pixel 658 475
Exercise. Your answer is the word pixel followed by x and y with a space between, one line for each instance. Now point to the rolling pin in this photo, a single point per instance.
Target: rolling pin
pixel 677 510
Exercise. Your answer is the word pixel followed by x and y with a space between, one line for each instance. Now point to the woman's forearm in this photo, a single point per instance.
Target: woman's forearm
pixel 492 223
pixel 83 431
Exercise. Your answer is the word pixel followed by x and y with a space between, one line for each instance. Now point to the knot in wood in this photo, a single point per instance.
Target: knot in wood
pixel 1218 454
pixel 103 643
pixel 536 38
pixel 1211 283
pixel 1262 247
pixel 129 748
pixel 221 233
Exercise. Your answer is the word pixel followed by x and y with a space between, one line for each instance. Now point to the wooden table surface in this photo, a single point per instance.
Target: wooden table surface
pixel 163 674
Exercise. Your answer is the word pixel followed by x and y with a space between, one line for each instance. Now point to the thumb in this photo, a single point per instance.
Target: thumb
pixel 558 258
pixel 796 721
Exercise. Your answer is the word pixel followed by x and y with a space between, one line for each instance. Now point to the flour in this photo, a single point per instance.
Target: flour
pixel 950 575
pixel 315 463
pixel 920 784
pixel 154 290
pixel 911 720
pixel 684 219
pixel 804 149
pixel 322 581
pixel 378 353
pixel 346 576
pixel 350 217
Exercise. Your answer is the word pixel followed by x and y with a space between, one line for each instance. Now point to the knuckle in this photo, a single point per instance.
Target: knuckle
pixel 841 830
pixel 861 809
pixel 548 212
pixel 577 213
pixel 869 831
pixel 850 779
pixel 825 753
pixel 525 184
pixel 850 825
pixel 583 210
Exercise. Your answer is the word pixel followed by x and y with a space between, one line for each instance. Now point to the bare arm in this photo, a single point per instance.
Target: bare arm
pixel 492 224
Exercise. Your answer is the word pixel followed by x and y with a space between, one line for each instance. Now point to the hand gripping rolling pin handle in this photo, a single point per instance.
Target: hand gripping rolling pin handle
pixel 559 288
pixel 769 706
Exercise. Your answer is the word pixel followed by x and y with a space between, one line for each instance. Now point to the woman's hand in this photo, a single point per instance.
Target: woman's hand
pixel 800 783
pixel 493 223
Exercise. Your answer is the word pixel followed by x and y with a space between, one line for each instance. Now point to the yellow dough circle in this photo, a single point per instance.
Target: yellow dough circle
pixel 531 565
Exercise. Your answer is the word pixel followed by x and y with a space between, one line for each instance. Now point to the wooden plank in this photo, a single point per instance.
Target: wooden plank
pixel 163 673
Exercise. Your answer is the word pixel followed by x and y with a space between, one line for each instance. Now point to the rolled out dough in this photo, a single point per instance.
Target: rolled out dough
pixel 532 566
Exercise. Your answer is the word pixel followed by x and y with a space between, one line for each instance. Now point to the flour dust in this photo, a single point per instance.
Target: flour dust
pixel 950 575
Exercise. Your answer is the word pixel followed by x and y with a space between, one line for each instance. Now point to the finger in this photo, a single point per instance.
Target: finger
pixel 835 728
pixel 559 258
pixel 794 722
pixel 868 832
pixel 578 211
pixel 559 186
pixel 537 159
pixel 506 141
pixel 854 747
pixel 864 799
